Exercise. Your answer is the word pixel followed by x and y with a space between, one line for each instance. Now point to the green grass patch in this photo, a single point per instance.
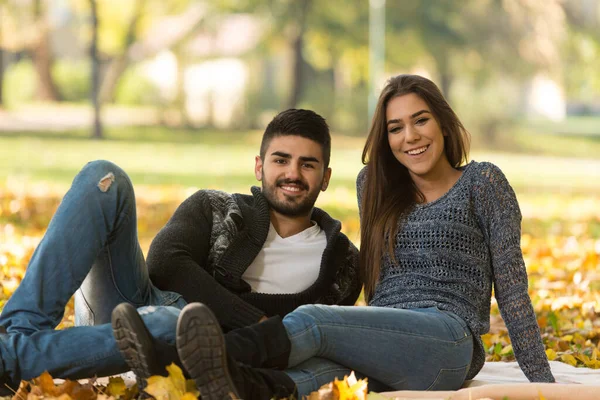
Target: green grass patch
pixel 225 160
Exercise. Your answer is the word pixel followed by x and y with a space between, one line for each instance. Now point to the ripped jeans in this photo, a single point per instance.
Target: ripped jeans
pixel 92 236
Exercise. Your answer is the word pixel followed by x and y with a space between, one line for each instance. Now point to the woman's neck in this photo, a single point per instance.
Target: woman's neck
pixel 437 183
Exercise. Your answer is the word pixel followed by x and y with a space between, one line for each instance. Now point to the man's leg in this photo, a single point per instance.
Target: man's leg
pixel 202 351
pixel 95 225
pixel 80 352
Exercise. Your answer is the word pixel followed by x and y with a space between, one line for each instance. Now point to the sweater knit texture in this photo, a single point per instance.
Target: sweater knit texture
pixel 450 251
pixel 212 238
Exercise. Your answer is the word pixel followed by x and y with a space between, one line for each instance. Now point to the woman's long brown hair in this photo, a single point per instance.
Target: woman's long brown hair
pixel 388 191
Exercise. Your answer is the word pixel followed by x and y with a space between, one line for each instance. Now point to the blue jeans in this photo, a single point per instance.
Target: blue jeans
pixel 418 349
pixel 92 236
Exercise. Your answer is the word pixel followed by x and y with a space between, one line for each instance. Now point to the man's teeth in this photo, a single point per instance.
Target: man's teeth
pixel 417 151
pixel 291 188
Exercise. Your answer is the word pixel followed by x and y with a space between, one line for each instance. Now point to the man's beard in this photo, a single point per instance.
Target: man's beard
pixel 294 206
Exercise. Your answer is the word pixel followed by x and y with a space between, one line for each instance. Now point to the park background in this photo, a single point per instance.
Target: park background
pixel 178 93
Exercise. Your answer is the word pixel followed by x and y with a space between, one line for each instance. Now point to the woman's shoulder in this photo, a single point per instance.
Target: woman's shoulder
pixel 360 178
pixel 485 172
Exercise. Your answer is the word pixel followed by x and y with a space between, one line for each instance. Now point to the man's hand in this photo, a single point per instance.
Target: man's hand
pixel 263 318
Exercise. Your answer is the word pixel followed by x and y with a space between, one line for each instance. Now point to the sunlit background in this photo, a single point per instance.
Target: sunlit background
pixel 178 93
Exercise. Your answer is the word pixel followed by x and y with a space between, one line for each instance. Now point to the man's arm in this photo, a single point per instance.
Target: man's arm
pixel 348 276
pixel 178 262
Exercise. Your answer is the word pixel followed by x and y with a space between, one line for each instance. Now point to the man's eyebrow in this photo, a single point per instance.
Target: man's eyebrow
pixel 281 154
pixel 302 158
pixel 309 159
pixel 395 121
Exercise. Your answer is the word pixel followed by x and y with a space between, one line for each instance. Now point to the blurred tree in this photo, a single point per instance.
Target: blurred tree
pixel 514 37
pixel 119 63
pixel 288 21
pixel 41 53
pixel 480 41
pixel 26 29
pixel 1 75
pixel 582 52
pixel 95 94
pixel 327 48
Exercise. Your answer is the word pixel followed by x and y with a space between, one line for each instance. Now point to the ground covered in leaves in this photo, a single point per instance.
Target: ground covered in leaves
pixel 560 242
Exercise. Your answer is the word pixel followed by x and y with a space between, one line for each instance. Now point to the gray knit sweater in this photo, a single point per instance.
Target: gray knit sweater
pixel 451 250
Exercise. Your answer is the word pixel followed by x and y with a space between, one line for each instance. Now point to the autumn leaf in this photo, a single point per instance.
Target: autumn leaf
pixel 551 354
pixel 116 387
pixel 171 387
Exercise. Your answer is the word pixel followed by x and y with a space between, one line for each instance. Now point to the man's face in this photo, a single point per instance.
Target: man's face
pixel 292 174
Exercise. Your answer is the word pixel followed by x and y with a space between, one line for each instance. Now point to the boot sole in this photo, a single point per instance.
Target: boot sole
pixel 134 342
pixel 201 349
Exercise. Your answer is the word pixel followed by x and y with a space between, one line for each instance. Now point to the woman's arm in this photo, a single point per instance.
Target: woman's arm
pixel 500 218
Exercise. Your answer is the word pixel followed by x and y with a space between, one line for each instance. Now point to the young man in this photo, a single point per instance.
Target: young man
pixel 247 257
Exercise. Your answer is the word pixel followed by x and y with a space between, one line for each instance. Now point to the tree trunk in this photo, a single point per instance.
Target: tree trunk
pixel 120 63
pixel 97 133
pixel 1 76
pixel 41 54
pixel 180 95
pixel 297 43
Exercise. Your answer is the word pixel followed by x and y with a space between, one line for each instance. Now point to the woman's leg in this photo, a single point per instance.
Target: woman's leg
pixel 311 374
pixel 405 349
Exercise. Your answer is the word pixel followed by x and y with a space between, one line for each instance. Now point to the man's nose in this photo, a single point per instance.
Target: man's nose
pixel 292 172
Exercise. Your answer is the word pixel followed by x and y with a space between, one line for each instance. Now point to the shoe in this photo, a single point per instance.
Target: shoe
pixel 135 343
pixel 201 349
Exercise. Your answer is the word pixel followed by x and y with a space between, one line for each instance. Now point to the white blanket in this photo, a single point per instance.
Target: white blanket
pixel 501 380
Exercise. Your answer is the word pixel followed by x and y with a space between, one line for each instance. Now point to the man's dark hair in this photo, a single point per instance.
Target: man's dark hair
pixel 294 122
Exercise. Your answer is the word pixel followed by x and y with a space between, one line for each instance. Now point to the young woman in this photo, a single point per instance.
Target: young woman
pixel 436 233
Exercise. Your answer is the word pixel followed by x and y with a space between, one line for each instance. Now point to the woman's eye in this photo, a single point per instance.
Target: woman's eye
pixel 422 121
pixel 395 129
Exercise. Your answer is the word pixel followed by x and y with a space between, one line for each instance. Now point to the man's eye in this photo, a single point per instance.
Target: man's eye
pixel 279 161
pixel 422 121
pixel 308 166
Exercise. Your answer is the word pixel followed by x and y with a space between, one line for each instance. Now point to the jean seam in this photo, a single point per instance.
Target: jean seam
pixel 114 280
pixel 465 368
pixel 97 358
pixel 319 373
pixel 386 330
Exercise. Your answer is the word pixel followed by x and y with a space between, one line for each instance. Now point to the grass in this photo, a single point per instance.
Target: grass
pixel 225 160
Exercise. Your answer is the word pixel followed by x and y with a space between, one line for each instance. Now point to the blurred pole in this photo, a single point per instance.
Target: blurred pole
pixel 97 133
pixel 376 51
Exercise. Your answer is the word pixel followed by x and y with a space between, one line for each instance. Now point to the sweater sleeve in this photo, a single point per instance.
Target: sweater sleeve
pixel 500 217
pixel 177 262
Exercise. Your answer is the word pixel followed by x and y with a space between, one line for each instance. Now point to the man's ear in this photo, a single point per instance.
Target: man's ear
pixel 326 179
pixel 258 164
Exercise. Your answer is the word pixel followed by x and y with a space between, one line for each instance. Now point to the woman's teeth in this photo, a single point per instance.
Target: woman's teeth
pixel 420 150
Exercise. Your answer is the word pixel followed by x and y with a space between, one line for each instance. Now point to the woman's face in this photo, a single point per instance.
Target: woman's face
pixel 415 137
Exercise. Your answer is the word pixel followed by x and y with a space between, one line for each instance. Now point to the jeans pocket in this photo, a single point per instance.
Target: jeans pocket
pixel 449 379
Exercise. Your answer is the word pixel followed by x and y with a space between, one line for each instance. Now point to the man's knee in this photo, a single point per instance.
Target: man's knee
pixel 103 174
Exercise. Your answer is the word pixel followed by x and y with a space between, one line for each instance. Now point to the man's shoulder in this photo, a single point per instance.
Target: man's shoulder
pixel 217 197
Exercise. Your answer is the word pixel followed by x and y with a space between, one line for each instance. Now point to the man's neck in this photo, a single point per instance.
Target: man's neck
pixel 287 226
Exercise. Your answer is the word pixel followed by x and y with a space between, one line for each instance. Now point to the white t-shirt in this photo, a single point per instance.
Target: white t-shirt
pixel 287 265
